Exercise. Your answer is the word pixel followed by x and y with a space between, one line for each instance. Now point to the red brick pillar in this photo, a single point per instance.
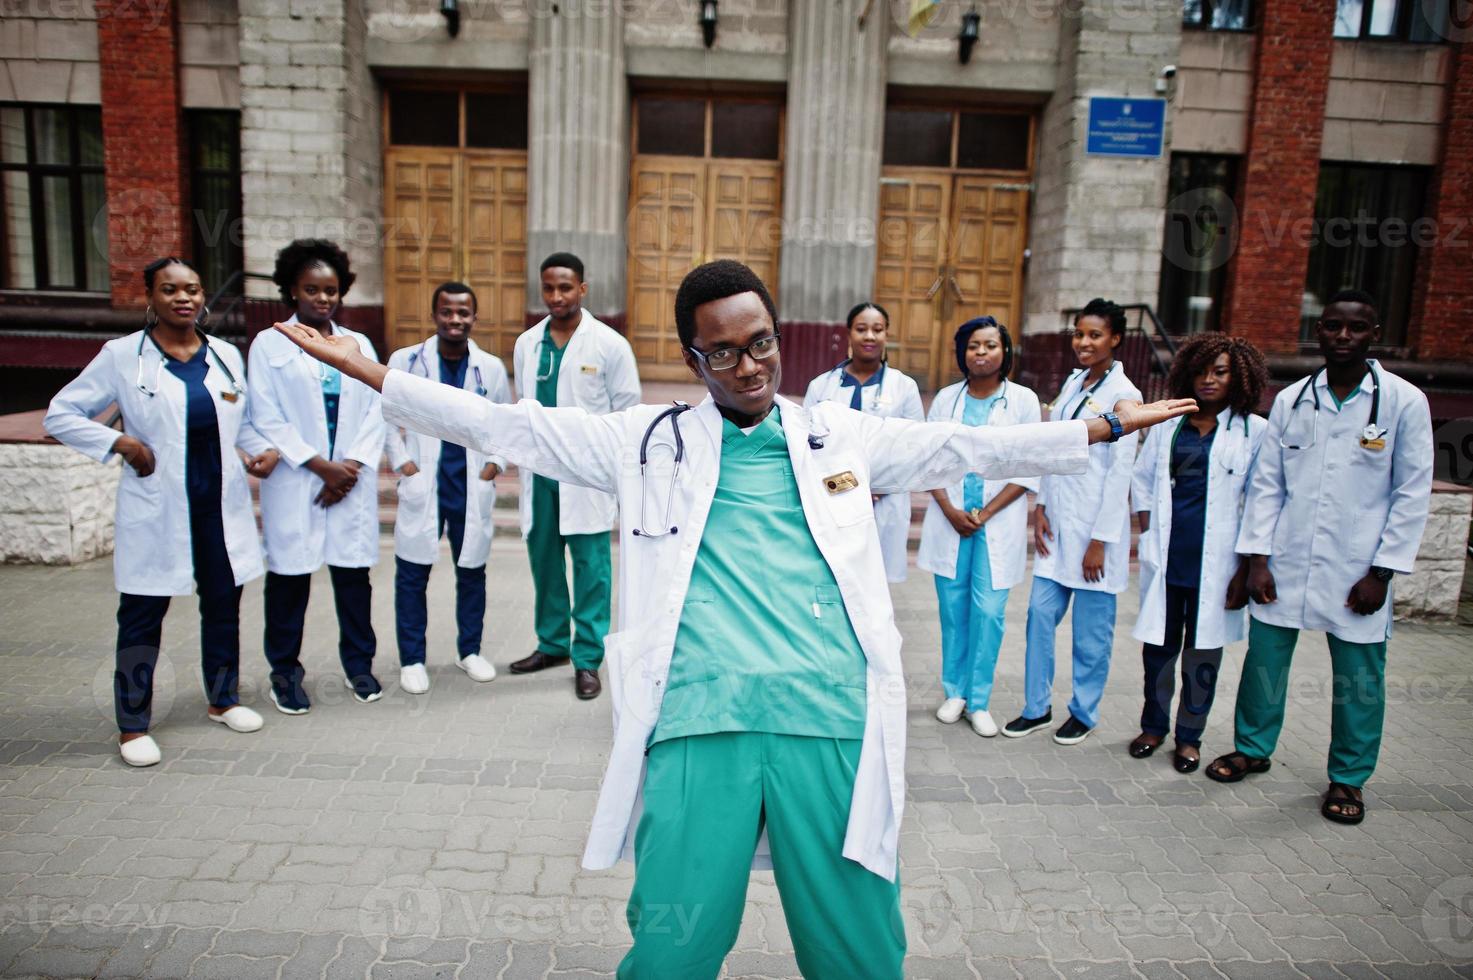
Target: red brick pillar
pixel 143 138
pixel 1276 195
pixel 1443 293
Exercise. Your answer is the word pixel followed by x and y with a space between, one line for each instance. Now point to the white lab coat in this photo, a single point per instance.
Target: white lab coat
pixel 598 375
pixel 1234 449
pixel 1325 513
pixel 602 452
pixel 896 396
pixel 287 408
pixel 152 553
pixel 417 517
pixel 1007 531
pixel 1094 505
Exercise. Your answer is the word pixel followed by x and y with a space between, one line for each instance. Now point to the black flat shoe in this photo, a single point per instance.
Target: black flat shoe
pixel 1184 764
pixel 538 661
pixel 1142 747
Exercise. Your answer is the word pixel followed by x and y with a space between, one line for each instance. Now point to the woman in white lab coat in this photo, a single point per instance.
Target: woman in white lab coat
pixel 866 383
pixel 1081 535
pixel 1190 483
pixel 322 506
pixel 184 519
pixel 974 538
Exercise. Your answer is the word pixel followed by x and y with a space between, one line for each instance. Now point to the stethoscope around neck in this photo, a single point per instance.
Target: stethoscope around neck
pixel 417 356
pixel 1372 429
pixel 235 384
pixel 1000 399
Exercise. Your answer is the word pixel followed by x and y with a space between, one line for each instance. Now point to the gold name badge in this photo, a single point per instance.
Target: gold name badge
pixel 589 369
pixel 229 396
pixel 840 482
pixel 1375 445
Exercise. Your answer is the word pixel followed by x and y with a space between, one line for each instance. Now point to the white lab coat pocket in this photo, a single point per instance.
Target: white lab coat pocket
pixel 140 498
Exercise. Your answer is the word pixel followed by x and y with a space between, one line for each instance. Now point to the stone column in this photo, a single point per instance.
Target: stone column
pixel 309 141
pixel 831 168
pixel 578 148
pixel 1097 223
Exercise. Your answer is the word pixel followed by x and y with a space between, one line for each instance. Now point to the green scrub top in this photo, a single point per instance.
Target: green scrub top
pixel 764 643
pixel 549 363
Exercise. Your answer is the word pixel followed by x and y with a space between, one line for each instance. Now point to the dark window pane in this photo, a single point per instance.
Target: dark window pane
pixel 496 120
pixel 1368 224
pixel 424 118
pixel 1192 13
pixel 12 135
pixel 89 137
pixel 56 200
pixel 53 142
pixel 213 137
pixel 992 142
pixel 746 129
pixel 20 254
pixel 676 127
pixel 1230 15
pixel 214 188
pixel 94 230
pixel 1200 236
pixel 1430 21
pixel 917 138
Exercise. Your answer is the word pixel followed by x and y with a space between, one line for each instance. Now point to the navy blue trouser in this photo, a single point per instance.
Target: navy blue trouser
pixel 286 614
pixel 1198 672
pixel 141 622
pixel 411 616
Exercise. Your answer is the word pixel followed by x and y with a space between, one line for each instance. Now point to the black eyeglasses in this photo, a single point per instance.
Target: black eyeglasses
pixel 726 358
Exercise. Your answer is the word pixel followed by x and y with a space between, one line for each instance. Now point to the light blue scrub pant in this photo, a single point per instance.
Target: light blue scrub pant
pixel 973 615
pixel 1094 634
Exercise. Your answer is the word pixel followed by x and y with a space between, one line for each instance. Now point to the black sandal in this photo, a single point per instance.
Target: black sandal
pixel 1142 749
pixel 1347 798
pixel 1238 766
pixel 1183 763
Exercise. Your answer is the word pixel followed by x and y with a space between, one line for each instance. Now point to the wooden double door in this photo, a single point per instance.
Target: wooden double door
pixel 455 214
pixel 950 247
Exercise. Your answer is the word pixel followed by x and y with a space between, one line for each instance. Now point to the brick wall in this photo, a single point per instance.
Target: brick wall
pixel 1443 294
pixel 1276 195
pixel 143 139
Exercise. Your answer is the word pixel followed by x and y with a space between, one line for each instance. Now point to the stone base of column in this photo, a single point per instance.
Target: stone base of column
pixel 56 505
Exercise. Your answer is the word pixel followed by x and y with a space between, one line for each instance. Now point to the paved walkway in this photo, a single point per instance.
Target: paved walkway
pixel 439 835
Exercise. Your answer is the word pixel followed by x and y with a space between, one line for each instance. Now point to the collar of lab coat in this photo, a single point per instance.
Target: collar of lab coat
pixel 428 354
pixel 1322 382
pixel 959 399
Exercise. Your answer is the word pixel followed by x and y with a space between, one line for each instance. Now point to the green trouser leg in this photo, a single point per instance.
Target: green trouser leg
pixel 706 800
pixel 592 575
pixel 551 609
pixel 1358 703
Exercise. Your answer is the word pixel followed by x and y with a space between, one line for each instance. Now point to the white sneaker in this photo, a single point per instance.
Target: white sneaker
pixel 239 718
pixel 478 667
pixel 983 724
pixel 140 751
pixel 951 711
pixel 414 679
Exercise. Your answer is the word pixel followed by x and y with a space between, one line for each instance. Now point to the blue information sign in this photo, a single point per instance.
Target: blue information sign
pixel 1126 127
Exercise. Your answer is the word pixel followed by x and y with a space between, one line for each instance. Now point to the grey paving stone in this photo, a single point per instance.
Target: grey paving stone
pixel 311 957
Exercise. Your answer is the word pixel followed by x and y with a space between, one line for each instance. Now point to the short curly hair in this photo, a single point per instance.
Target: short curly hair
pixel 293 260
pixel 1250 373
pixel 713 281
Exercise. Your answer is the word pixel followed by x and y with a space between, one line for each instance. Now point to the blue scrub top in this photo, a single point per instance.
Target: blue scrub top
pixel 976 412
pixel 202 450
pixel 332 393
pixel 450 478
pixel 1190 454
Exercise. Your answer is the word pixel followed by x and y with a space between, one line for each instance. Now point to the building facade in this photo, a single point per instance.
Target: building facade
pixel 1306 146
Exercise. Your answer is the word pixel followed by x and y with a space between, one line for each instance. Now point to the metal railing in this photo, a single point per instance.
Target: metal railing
pixel 235 315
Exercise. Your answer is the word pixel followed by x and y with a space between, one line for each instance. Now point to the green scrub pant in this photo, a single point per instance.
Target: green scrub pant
pixel 1358 699
pixel 706 800
pixel 589 609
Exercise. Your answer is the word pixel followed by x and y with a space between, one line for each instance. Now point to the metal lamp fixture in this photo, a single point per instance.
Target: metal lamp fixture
pixel 967 39
pixel 450 10
pixel 708 21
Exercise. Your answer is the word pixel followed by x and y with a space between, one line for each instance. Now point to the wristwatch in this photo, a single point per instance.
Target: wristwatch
pixel 1116 429
pixel 1384 574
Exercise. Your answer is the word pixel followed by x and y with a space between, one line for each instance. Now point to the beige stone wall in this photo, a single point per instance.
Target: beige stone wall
pixel 1017 50
pixel 209 54
pixel 1432 590
pixel 751 26
pixel 56 505
pixel 48 52
pixel 412 34
pixel 1213 92
pixel 1386 102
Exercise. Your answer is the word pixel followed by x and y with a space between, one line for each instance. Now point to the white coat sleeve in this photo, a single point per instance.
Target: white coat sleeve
pixel 498 391
pixel 1115 494
pixel 394 443
pixel 1265 488
pixel 266 413
pixel 69 419
pixel 1029 413
pixel 622 377
pixel 910 404
pixel 1143 480
pixel 368 444
pixel 907 455
pixel 1411 488
pixel 564 444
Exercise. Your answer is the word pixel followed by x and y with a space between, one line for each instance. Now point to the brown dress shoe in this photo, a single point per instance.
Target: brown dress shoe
pixel 537 661
pixel 587 684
